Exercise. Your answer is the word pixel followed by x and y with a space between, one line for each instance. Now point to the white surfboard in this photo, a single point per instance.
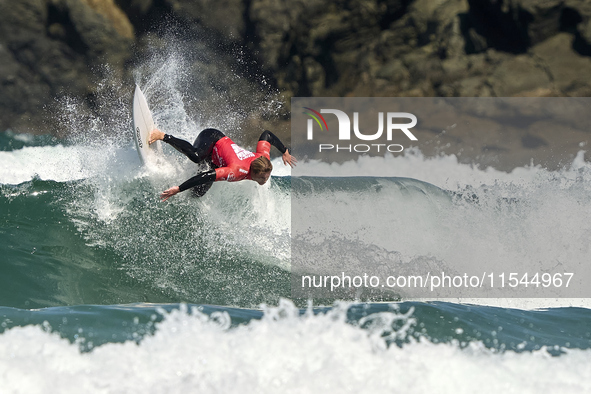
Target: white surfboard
pixel 143 124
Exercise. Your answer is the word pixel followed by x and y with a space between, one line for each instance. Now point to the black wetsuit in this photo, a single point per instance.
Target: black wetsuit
pixel 201 152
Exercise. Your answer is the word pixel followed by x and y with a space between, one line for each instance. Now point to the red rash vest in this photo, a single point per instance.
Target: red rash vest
pixel 233 162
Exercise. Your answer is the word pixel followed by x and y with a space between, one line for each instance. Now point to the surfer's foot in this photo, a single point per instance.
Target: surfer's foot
pixel 155 135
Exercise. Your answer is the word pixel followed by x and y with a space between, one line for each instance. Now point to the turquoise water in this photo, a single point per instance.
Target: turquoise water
pixel 497 329
pixel 57 248
pixel 104 287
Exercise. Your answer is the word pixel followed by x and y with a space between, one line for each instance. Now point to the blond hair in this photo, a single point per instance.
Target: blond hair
pixel 260 165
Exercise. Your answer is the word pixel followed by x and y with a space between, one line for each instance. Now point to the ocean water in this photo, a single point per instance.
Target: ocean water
pixel 104 289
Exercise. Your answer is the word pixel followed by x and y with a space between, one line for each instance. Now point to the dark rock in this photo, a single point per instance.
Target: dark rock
pixel 513 25
pixel 247 48
pixel 569 71
pixel 225 17
pixel 49 49
pixel 519 74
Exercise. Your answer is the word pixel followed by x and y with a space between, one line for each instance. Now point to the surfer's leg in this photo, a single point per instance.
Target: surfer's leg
pixel 201 149
pixel 206 140
pixel 182 146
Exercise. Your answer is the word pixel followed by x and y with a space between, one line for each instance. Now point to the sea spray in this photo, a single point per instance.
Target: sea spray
pixel 287 350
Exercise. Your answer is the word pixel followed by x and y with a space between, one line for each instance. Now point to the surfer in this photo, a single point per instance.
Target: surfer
pixel 228 161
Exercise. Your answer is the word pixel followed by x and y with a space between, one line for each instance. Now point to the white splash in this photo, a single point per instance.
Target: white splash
pixel 283 352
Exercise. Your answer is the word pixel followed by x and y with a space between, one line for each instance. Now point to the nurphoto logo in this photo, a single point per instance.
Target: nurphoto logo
pixel 391 119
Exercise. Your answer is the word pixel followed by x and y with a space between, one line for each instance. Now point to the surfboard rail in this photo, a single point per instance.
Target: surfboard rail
pixel 143 124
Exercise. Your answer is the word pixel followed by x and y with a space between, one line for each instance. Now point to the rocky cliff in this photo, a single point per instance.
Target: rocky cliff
pixel 51 48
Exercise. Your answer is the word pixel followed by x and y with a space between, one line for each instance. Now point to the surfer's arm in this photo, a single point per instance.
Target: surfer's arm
pixel 169 193
pixel 266 140
pixel 264 147
pixel 197 180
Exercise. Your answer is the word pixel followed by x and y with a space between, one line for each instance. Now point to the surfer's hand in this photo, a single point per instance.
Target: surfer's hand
pixel 289 159
pixel 155 135
pixel 169 193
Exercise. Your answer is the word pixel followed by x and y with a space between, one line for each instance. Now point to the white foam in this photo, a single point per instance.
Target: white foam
pixel 508 222
pixel 280 169
pixel 280 353
pixel 527 221
pixel 67 163
pixel 444 171
pixel 57 163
